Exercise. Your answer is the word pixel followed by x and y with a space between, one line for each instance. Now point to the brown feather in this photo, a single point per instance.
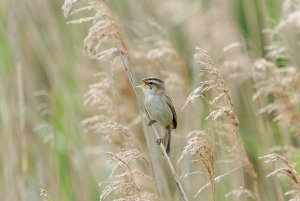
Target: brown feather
pixel 169 102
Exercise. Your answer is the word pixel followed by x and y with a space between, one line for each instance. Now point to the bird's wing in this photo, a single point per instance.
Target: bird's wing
pixel 169 102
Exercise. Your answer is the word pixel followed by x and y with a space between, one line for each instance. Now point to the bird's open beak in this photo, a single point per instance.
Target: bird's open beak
pixel 144 85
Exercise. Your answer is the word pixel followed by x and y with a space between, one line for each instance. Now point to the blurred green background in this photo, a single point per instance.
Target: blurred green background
pixel 44 76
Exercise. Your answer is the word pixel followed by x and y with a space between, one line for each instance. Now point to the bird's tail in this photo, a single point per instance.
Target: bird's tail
pixel 167 139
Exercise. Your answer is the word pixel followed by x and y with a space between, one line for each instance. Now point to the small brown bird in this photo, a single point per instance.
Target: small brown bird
pixel 160 108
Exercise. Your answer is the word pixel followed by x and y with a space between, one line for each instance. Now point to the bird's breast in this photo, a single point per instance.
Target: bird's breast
pixel 159 110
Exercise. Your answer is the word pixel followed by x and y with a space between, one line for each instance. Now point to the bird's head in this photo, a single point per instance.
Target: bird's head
pixel 153 86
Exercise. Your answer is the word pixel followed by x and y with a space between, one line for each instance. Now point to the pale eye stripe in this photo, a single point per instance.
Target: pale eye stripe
pixel 154 80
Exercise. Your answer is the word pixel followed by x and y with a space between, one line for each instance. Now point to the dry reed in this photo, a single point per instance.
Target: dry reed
pixel 104 31
pixel 283 84
pixel 125 182
pixel 287 169
pixel 223 118
pixel 44 153
pixel 198 147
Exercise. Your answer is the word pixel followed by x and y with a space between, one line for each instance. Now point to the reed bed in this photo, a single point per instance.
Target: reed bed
pixel 73 125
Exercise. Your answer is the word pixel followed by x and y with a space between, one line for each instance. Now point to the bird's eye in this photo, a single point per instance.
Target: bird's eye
pixel 150 84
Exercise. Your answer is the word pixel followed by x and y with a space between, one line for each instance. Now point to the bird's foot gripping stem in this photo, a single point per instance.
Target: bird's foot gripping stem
pixel 160 140
pixel 151 122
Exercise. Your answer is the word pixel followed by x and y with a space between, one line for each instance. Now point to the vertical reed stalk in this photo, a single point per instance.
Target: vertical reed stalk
pixel 14 30
pixel 144 111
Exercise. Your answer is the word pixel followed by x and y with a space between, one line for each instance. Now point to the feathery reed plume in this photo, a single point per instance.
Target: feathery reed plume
pixel 164 53
pixel 101 95
pixel 102 34
pixel 241 193
pixel 68 6
pixel 284 48
pixel 104 31
pixel 127 177
pixel 198 147
pixel 222 116
pixel 164 49
pixel 284 85
pixel 287 169
pixel 44 195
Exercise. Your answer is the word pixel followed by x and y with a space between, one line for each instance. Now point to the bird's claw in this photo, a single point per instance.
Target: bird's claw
pixel 160 140
pixel 151 122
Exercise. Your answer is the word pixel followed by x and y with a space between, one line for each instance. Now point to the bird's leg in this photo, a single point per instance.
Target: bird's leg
pixel 160 140
pixel 151 122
